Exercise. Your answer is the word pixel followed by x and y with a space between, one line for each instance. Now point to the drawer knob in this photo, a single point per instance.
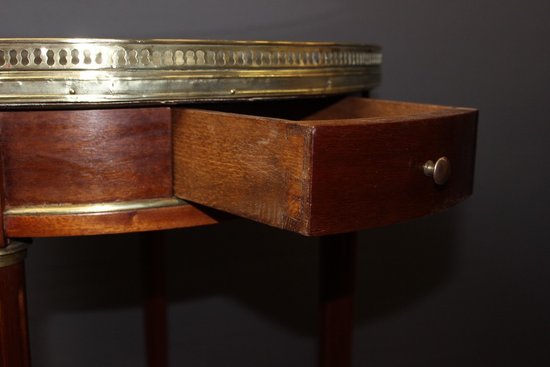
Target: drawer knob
pixel 440 170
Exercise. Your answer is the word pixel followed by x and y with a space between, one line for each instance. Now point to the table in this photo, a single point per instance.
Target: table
pixel 117 136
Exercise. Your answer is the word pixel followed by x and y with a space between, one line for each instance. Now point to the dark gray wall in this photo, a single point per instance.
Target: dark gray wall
pixel 468 287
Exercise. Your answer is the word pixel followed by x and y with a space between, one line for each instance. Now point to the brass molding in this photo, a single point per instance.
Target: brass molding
pixel 14 253
pixel 64 209
pixel 50 72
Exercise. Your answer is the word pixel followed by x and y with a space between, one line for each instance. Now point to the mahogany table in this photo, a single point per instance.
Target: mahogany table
pixel 115 136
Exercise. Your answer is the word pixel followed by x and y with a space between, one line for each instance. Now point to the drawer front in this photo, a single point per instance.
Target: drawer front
pixel 357 164
pixel 373 175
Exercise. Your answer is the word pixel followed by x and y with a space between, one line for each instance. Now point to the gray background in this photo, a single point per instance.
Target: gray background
pixel 468 287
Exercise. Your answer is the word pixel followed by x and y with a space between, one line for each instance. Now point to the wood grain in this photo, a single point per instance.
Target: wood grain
pixel 107 223
pixel 369 173
pixel 14 336
pixel 328 175
pixel 361 108
pixel 3 239
pixel 245 165
pixel 83 156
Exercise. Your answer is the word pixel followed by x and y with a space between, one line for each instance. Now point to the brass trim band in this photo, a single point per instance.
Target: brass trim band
pixel 93 54
pixel 36 72
pixel 13 254
pixel 61 209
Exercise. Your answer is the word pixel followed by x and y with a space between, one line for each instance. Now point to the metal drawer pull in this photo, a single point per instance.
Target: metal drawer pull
pixel 440 171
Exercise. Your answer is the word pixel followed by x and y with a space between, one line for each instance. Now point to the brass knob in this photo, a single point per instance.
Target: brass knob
pixel 440 170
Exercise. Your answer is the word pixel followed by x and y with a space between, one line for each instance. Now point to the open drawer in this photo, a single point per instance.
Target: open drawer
pixel 356 164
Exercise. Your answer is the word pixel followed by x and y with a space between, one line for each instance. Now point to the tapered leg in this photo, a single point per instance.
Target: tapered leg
pixel 154 279
pixel 337 257
pixel 14 335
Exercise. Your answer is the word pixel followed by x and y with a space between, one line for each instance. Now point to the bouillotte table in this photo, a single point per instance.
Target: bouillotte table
pixel 115 136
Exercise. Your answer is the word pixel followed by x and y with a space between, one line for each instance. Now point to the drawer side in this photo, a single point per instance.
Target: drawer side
pixel 258 168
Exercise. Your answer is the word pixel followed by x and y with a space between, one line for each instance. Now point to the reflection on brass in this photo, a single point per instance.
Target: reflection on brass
pixel 14 253
pixel 41 72
pixel 440 170
pixel 60 209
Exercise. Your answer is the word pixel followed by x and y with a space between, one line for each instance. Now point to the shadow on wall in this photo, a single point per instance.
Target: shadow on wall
pixel 271 272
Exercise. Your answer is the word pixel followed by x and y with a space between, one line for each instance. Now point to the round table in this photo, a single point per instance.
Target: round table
pixel 116 136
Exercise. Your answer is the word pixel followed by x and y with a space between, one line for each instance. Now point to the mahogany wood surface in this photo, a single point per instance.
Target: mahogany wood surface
pixel 154 299
pixel 86 156
pixel 248 166
pixel 3 239
pixel 370 175
pixel 107 223
pixel 337 283
pixel 352 165
pixel 14 336
pixel 327 175
pixel 361 108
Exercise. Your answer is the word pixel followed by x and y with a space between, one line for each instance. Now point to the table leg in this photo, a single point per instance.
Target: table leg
pixel 14 335
pixel 154 291
pixel 337 263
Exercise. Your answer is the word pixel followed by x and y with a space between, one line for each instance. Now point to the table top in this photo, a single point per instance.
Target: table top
pixel 53 72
